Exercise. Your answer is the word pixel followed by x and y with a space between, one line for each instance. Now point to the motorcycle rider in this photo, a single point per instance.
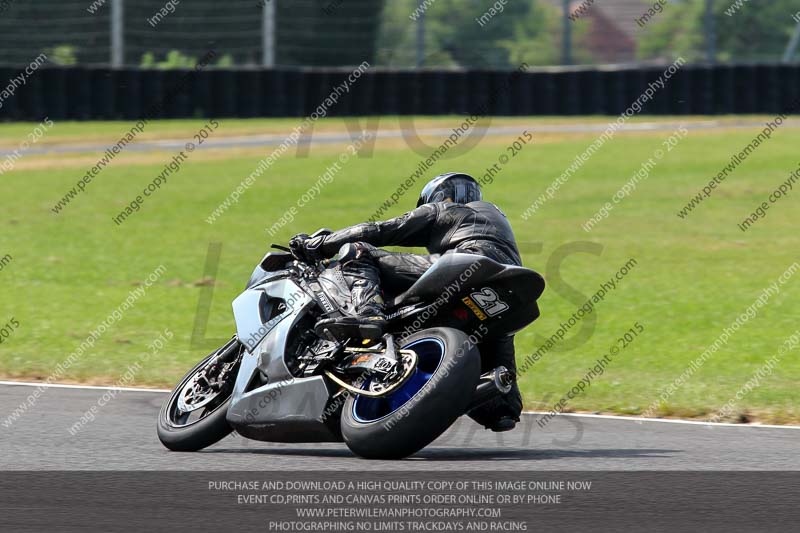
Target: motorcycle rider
pixel 450 215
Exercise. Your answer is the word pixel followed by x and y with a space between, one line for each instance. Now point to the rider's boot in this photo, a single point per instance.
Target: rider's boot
pixel 368 323
pixel 501 413
pixel 505 423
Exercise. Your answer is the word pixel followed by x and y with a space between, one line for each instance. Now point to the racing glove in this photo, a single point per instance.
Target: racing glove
pixel 307 248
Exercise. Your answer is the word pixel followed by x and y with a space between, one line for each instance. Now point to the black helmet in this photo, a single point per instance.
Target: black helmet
pixel 459 188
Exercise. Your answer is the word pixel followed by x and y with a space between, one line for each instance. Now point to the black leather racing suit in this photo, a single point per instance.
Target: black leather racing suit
pixel 478 228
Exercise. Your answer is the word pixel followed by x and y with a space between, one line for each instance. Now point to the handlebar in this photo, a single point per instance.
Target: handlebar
pixel 324 263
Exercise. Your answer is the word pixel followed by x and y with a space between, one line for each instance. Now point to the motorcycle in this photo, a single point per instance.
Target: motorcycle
pixel 279 380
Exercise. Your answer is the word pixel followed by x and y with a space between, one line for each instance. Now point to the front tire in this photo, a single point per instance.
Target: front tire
pixel 405 421
pixel 176 429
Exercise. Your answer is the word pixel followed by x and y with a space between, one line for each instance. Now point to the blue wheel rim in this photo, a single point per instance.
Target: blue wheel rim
pixel 430 352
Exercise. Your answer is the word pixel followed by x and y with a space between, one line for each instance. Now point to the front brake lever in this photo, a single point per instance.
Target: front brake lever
pixel 281 248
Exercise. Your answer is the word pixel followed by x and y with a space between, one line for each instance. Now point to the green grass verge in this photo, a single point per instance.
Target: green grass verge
pixel 693 276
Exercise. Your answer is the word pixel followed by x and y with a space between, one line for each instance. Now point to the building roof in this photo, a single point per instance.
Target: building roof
pixel 614 29
pixel 623 12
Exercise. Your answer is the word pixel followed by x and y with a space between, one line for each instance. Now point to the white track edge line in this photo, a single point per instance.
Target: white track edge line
pixel 582 415
pixel 665 420
pixel 86 387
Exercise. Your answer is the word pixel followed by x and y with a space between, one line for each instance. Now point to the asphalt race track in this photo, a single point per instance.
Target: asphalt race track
pixel 123 437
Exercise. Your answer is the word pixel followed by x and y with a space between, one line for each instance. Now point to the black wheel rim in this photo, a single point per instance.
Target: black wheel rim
pixel 193 400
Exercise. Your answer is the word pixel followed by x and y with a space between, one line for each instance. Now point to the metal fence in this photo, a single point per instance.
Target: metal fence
pixel 495 34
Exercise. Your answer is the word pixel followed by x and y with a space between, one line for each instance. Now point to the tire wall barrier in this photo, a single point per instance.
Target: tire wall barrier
pixel 86 93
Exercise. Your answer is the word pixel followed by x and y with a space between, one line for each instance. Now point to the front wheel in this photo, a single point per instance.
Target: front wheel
pixel 194 415
pixel 431 399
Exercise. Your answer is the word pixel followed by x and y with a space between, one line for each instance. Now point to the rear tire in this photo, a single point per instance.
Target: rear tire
pixel 412 417
pixel 210 428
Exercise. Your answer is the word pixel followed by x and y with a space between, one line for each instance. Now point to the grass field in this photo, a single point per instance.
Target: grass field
pixel 693 277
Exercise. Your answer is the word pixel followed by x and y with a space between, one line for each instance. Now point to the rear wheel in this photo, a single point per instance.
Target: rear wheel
pixel 433 397
pixel 194 415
